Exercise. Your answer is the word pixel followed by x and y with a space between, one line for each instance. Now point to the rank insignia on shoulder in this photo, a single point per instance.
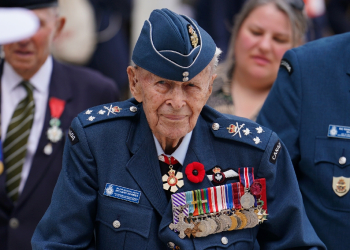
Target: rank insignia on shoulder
pixel 108 111
pixel 285 64
pixel 241 130
pixel 72 136
pixel 218 177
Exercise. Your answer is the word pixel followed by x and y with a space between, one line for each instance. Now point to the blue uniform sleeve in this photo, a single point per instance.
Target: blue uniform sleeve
pixel 282 108
pixel 69 221
pixel 287 225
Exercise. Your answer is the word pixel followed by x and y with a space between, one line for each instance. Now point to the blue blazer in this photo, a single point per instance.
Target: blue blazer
pixel 119 149
pixel 304 101
pixel 80 88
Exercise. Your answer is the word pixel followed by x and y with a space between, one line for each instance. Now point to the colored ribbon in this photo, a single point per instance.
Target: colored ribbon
pixel 56 107
pixel 246 176
pixel 189 200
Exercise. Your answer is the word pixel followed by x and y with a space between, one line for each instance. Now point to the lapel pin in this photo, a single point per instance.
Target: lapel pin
pixel 195 172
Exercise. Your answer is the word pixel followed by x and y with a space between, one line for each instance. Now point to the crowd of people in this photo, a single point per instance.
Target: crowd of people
pixel 182 164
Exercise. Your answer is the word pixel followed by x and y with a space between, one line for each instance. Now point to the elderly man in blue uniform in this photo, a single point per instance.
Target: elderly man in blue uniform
pixel 308 107
pixel 165 171
pixel 39 99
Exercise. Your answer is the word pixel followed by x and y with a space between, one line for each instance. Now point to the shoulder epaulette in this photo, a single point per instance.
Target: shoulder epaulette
pixel 108 111
pixel 242 130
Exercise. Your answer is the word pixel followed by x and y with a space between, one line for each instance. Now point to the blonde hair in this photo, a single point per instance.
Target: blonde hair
pixel 296 16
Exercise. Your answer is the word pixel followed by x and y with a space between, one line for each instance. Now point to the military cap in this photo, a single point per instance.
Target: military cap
pixel 173 46
pixel 29 4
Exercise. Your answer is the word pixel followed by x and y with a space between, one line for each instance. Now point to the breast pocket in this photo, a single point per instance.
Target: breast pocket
pixel 236 239
pixel 332 160
pixel 121 224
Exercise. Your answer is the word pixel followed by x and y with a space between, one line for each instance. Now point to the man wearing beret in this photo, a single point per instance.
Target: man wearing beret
pixel 308 107
pixel 39 99
pixel 164 171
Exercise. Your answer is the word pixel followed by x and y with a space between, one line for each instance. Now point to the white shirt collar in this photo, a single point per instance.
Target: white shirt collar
pixel 40 79
pixel 180 152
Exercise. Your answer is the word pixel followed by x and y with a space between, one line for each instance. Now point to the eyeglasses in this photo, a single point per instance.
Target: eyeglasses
pixel 297 4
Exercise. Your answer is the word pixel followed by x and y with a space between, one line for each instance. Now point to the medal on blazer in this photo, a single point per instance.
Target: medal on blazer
pixel 246 177
pixel 54 133
pixel 171 180
pixel 234 206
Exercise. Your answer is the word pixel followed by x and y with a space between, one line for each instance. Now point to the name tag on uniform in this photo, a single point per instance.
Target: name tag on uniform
pixel 122 193
pixel 339 131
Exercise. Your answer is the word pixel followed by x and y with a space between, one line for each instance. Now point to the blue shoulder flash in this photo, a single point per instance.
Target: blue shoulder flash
pixel 109 111
pixel 242 130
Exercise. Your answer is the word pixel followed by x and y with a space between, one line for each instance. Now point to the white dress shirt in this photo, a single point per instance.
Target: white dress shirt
pixel 12 93
pixel 180 153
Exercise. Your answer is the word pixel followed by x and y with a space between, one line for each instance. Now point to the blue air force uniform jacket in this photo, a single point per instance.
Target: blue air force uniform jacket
pixel 312 91
pixel 118 148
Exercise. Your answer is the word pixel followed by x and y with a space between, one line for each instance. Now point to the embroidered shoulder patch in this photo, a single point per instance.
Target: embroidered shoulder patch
pixel 72 136
pixel 276 150
pixel 285 64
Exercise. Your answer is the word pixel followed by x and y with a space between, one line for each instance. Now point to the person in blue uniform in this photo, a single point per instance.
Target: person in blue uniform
pixel 33 158
pixel 125 164
pixel 308 109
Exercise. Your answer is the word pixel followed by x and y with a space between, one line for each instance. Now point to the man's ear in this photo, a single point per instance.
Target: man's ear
pixel 59 26
pixel 134 83
pixel 211 82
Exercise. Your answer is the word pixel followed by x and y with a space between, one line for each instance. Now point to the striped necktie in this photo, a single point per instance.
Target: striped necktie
pixel 15 144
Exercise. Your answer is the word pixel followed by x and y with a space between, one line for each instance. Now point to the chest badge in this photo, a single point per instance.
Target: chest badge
pixel 341 185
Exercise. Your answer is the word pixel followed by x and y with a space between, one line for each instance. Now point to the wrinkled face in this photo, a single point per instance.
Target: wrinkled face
pixel 265 35
pixel 172 108
pixel 27 56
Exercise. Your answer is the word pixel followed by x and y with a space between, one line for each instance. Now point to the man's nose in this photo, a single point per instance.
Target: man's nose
pixel 24 42
pixel 177 98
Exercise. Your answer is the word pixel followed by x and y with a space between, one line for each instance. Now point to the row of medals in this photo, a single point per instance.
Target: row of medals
pixel 228 220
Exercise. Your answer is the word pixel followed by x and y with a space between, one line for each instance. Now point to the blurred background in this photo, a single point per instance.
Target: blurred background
pixel 100 34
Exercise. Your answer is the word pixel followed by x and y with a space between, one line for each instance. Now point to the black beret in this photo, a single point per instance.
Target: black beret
pixel 29 4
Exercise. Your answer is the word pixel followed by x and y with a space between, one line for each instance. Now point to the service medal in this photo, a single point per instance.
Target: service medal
pixel 247 200
pixel 213 225
pixel 204 228
pixel 172 181
pixel 234 223
pixel 252 218
pixel 226 221
pixel 54 132
pixel 243 219
pixel 181 226
pixel 219 225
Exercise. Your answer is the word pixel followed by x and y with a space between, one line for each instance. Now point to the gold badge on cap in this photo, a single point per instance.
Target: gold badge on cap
pixel 193 36
pixel 341 185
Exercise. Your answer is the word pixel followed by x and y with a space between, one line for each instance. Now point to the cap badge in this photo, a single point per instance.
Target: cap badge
pixel 193 36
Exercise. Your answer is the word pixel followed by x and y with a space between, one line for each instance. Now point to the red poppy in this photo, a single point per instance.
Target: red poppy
pixel 195 172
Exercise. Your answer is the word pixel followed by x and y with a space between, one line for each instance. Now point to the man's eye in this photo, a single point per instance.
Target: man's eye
pixel 191 85
pixel 161 82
